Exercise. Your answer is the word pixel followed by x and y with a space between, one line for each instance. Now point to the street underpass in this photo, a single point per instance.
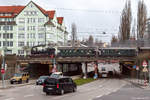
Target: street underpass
pixel 126 69
pixel 70 68
pixel 38 69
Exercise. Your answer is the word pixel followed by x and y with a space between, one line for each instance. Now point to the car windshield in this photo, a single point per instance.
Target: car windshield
pixel 103 69
pixel 55 75
pixel 17 75
pixel 43 77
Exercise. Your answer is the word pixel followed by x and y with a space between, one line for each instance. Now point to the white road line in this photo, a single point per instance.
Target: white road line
pixel 30 95
pixel 99 96
pixel 9 99
pixel 100 86
pixel 107 93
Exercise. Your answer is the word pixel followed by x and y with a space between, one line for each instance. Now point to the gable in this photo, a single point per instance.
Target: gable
pixel 31 9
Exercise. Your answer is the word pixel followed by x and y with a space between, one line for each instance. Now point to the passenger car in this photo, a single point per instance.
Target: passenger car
pixel 56 75
pixel 41 79
pixel 19 78
pixel 59 85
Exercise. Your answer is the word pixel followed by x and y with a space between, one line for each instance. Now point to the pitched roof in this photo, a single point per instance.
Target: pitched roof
pixel 51 14
pixel 14 10
pixel 60 20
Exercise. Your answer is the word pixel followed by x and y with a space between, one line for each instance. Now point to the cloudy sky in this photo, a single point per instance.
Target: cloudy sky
pixel 92 17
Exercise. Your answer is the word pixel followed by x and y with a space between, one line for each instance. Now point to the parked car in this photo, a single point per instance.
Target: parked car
pixel 56 75
pixel 19 78
pixel 41 79
pixel 59 85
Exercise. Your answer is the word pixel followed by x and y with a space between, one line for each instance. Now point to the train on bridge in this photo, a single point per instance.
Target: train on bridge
pixel 42 50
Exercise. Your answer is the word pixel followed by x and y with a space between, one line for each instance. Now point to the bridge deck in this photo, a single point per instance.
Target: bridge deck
pixel 49 60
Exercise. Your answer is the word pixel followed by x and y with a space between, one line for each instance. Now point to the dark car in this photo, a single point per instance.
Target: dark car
pixel 41 79
pixel 59 85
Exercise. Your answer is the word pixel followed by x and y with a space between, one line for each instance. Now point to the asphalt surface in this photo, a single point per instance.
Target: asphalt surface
pixel 91 91
pixel 128 92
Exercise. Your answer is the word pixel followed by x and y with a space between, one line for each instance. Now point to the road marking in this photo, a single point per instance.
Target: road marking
pixel 30 95
pixel 99 96
pixel 107 93
pixel 100 86
pixel 9 99
pixel 140 98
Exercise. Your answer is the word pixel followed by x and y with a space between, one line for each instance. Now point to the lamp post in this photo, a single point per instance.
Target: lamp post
pixel 4 60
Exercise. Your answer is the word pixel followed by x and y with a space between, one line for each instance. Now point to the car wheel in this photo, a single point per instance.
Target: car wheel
pixel 74 89
pixel 11 82
pixel 61 92
pixel 47 93
pixel 20 81
pixel 27 80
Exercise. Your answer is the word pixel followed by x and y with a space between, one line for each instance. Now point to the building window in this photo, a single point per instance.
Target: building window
pixel 9 52
pixel 11 35
pixel 7 27
pixel 8 35
pixel 8 43
pixel 27 43
pixel 21 35
pixel 11 43
pixel 21 20
pixel 40 20
pixel 4 43
pixel 11 28
pixel 21 28
pixel 28 35
pixel 20 52
pixel 40 35
pixel 20 44
pixel 41 28
pixel 4 35
pixel 33 35
pixel 31 27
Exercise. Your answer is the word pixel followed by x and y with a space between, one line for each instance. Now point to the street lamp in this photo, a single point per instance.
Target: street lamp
pixel 4 60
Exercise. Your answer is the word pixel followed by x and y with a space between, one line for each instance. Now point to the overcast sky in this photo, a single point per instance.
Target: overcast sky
pixel 90 16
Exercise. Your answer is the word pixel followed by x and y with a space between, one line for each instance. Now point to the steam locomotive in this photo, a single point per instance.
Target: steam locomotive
pixel 42 50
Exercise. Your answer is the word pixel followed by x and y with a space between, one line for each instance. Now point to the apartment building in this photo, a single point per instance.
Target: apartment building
pixel 30 25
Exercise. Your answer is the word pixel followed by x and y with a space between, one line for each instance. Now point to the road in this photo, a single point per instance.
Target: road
pixel 128 92
pixel 90 91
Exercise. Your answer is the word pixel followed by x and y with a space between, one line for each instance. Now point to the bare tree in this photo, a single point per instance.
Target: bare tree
pixel 114 39
pixel 125 22
pixel 141 19
pixel 74 34
pixel 90 41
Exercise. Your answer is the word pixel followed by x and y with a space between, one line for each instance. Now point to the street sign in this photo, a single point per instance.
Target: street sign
pixel 144 63
pixel 134 66
pixel 2 71
pixel 137 67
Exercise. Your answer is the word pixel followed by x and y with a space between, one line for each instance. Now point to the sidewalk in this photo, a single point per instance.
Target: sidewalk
pixel 139 83
pixel 8 85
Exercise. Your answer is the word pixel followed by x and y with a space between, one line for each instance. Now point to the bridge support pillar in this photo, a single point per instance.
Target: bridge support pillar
pixel 84 69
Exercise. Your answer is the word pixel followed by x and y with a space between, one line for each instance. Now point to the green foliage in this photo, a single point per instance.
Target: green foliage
pixel 81 81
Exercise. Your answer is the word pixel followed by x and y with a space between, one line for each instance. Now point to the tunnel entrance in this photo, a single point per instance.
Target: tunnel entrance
pixel 126 68
pixel 70 69
pixel 38 69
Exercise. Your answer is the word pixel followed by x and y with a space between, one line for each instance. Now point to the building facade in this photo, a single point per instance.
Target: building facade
pixel 22 27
